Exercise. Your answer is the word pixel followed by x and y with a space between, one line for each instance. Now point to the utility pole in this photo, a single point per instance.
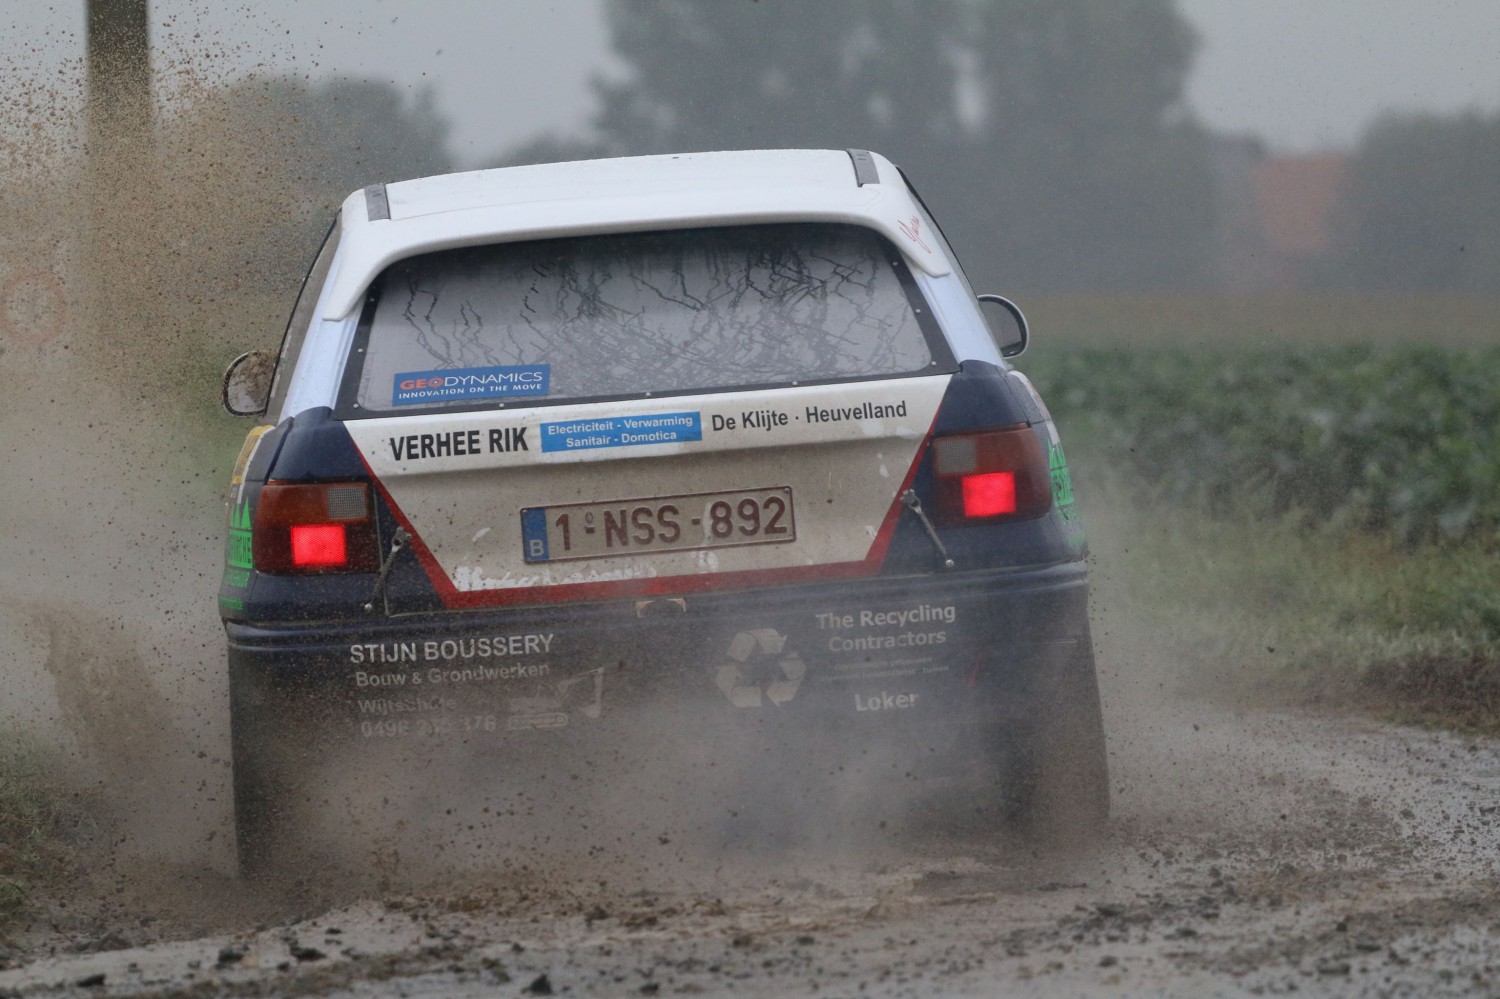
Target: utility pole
pixel 119 73
pixel 120 193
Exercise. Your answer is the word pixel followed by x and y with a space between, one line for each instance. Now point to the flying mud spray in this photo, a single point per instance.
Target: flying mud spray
pixel 107 516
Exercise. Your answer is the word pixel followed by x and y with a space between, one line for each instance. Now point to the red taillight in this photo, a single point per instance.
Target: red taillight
pixel 319 546
pixel 314 528
pixel 989 494
pixel 993 475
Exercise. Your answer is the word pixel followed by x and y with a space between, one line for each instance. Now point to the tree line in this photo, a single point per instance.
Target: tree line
pixel 1051 139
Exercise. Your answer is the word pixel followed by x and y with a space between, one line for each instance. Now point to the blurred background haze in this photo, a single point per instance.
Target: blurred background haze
pixel 1071 146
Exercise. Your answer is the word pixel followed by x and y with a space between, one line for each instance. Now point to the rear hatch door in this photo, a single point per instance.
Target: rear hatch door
pixel 644 414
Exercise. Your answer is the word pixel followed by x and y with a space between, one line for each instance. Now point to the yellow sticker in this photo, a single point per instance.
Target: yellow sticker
pixel 246 451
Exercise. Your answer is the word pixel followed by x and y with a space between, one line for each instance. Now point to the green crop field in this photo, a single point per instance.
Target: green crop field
pixel 1395 438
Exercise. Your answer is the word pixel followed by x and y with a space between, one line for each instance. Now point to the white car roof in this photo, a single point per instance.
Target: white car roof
pixel 387 222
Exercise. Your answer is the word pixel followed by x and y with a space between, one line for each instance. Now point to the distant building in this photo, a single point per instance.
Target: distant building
pixel 1277 215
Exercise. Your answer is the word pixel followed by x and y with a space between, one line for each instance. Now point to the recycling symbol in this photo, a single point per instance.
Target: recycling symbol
pixel 758 666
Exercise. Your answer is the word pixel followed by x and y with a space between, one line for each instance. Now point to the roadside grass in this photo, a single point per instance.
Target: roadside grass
pixel 45 823
pixel 1257 607
pixel 1251 603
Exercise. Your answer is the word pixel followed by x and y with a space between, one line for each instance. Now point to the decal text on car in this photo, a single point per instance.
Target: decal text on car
pixel 622 431
pixel 457 443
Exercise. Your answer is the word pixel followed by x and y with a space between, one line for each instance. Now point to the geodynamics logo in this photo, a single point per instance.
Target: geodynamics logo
pixel 413 387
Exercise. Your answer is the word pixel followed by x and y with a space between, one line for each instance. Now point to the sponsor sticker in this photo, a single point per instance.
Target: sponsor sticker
pixel 622 431
pixel 1062 493
pixel 239 553
pixel 412 388
pixel 758 667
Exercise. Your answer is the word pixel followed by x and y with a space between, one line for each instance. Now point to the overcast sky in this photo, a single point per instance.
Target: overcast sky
pixel 1303 74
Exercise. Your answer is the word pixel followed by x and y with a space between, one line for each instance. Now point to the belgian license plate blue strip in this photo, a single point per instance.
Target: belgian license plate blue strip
pixel 687 522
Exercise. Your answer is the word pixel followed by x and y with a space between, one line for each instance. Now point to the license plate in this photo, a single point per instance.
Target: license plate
pixel 688 522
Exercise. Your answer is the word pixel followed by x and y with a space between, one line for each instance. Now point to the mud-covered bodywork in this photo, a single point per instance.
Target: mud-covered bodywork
pixel 740 448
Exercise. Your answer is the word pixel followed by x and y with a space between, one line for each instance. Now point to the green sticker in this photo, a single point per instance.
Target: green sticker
pixel 1062 493
pixel 238 552
pixel 1062 482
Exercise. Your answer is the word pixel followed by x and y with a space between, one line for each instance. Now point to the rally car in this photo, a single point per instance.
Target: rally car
pixel 723 435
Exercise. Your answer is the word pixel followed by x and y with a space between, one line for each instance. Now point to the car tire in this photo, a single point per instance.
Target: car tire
pixel 272 762
pixel 1056 777
pixel 257 790
pixel 1045 777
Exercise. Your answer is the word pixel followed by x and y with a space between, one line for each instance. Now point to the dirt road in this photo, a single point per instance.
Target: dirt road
pixel 1249 854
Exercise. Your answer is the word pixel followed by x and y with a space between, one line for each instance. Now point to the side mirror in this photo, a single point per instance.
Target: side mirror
pixel 247 383
pixel 1019 335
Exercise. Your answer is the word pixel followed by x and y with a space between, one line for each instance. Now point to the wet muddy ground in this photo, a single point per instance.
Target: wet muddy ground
pixel 1249 854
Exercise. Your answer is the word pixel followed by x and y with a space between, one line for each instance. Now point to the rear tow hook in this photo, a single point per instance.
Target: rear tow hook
pixel 909 499
pixel 398 542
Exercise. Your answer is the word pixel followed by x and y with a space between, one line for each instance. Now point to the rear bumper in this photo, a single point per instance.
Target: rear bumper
pixel 930 653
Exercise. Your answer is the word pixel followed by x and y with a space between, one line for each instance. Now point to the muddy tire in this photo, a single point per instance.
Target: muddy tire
pixel 1044 778
pixel 1054 778
pixel 257 788
pixel 273 767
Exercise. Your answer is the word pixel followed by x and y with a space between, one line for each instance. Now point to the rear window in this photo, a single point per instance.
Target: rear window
pixel 637 314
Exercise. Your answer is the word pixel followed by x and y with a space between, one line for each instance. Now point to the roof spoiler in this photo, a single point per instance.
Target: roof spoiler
pixel 864 167
pixel 377 205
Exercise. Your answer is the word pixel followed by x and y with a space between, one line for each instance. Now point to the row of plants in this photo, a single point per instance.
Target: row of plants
pixel 1399 439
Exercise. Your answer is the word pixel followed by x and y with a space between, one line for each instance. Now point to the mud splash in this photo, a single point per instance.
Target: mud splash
pixel 111 534
pixel 114 321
